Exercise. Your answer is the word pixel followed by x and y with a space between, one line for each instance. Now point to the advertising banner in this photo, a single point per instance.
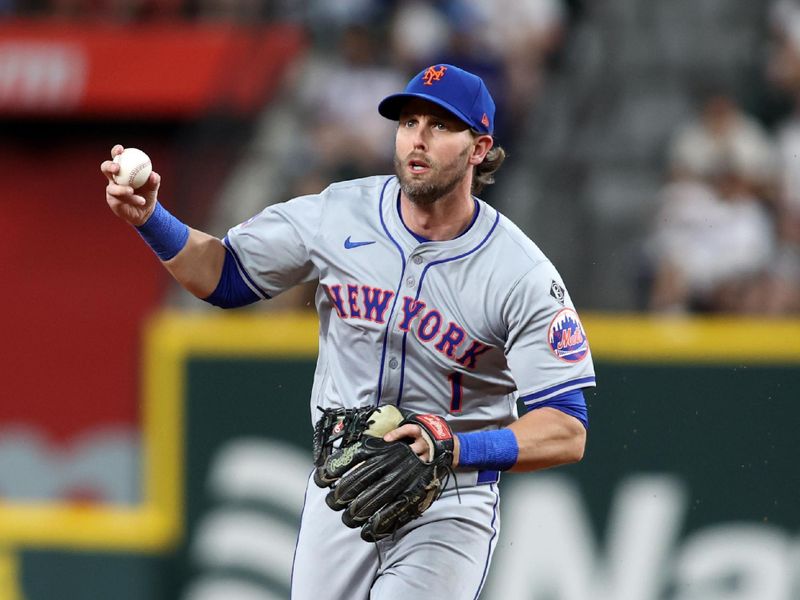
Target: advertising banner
pixel 173 70
pixel 688 490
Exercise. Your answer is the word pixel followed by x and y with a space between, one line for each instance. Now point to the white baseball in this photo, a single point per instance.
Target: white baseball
pixel 134 168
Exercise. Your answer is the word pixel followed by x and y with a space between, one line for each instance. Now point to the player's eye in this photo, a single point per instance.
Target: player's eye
pixel 440 126
pixel 409 122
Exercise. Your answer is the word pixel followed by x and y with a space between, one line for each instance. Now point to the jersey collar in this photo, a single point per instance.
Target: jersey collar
pixel 476 232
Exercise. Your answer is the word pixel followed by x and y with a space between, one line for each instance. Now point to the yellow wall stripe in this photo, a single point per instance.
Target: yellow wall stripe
pixel 9 575
pixel 61 525
pixel 641 338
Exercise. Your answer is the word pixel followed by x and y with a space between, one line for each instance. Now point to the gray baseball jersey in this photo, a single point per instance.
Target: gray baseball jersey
pixel 461 328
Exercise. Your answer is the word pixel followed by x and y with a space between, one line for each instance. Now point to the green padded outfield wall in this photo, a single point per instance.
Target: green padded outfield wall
pixel 690 488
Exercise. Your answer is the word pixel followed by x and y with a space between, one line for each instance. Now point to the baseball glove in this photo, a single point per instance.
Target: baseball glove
pixel 382 485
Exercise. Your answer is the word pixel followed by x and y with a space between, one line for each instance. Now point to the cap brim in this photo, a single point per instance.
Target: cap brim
pixel 391 106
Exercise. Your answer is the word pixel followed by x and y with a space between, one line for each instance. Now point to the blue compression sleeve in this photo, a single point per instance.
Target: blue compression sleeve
pixel 572 403
pixel 165 234
pixel 497 449
pixel 231 291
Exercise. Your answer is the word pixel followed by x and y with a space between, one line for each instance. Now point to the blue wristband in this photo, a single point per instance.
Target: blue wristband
pixel 497 449
pixel 165 234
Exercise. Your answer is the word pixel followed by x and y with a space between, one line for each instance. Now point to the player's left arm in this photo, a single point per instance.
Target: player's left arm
pixel 552 434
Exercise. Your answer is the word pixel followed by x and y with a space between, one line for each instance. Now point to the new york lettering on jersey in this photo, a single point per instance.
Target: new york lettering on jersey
pixel 371 304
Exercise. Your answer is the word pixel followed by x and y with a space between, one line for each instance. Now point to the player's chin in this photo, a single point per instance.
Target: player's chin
pixel 414 178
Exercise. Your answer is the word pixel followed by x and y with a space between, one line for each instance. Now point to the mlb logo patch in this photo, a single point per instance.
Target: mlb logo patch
pixel 566 337
pixel 557 292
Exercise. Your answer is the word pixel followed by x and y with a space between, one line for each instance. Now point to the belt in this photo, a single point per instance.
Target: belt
pixel 485 477
pixel 471 478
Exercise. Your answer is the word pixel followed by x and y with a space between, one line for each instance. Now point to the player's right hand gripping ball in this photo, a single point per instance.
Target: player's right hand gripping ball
pixel 134 168
pixel 381 485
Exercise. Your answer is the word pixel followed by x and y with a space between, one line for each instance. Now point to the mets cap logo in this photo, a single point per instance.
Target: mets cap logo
pixel 433 74
pixel 566 337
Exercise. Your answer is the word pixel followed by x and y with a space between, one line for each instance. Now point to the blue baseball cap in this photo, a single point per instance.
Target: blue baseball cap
pixel 456 90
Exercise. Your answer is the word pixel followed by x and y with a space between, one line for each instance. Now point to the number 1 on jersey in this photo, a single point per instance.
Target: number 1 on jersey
pixel 455 396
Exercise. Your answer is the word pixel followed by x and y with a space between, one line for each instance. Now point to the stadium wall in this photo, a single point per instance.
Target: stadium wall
pixel 688 488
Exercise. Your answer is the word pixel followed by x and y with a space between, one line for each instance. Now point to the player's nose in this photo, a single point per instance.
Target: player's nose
pixel 418 139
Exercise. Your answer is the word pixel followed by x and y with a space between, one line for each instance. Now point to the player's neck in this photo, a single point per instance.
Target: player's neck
pixel 444 219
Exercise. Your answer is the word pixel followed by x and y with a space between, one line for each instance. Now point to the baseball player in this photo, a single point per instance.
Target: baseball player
pixel 429 300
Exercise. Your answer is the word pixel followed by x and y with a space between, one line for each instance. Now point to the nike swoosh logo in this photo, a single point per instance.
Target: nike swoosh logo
pixel 350 245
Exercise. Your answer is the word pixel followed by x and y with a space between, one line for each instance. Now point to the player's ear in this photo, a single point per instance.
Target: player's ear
pixel 481 144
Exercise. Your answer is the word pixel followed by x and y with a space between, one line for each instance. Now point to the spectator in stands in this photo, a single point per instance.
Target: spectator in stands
pixel 326 17
pixel 337 94
pixel 714 240
pixel 419 33
pixel 711 247
pixel 524 34
pixel 783 293
pixel 723 133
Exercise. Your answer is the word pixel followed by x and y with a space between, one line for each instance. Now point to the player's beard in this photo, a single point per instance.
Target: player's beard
pixel 436 183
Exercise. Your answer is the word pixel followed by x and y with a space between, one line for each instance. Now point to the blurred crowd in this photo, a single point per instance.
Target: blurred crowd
pixel 727 233
pixel 366 50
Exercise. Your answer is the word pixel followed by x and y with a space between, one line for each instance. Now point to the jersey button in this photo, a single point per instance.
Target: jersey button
pixel 410 282
pixel 393 363
pixel 417 260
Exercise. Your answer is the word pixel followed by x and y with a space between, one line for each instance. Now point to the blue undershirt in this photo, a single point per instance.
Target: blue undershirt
pixel 572 403
pixel 231 291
